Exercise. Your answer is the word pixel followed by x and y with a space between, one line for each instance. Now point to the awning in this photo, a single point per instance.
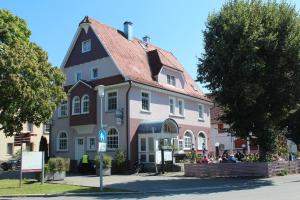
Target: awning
pixel 148 126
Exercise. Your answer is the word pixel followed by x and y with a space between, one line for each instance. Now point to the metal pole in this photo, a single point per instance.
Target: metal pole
pixel 43 167
pixel 100 154
pixel 20 183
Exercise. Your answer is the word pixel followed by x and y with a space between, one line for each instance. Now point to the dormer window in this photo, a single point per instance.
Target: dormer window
pixel 77 76
pixel 171 80
pixel 94 73
pixel 86 46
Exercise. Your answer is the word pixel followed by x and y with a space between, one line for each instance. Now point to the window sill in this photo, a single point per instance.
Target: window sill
pixel 110 111
pixel 85 113
pixel 176 116
pixel 201 119
pixel 76 113
pixel 62 151
pixel 111 150
pixel 145 111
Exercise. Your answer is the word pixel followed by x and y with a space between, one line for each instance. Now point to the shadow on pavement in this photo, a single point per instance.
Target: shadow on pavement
pixel 160 188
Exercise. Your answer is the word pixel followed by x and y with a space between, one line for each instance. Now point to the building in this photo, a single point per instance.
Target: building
pixel 30 135
pixel 148 96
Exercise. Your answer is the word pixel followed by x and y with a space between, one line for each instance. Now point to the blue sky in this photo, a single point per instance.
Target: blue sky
pixel 174 25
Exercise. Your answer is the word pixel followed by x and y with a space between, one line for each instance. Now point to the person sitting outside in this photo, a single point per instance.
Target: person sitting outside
pixel 205 159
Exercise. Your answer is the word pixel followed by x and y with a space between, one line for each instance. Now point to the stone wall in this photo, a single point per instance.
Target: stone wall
pixel 243 169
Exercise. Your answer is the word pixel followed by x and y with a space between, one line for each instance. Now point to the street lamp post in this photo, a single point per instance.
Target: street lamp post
pixel 248 142
pixel 100 90
pixel 217 144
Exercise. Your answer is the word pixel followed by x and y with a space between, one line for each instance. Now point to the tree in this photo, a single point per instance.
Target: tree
pixel 251 65
pixel 30 88
pixel 44 147
pixel 292 123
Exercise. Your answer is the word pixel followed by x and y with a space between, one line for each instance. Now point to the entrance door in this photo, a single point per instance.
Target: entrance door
pixel 79 148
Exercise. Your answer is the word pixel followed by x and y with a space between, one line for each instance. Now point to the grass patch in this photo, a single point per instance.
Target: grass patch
pixel 11 187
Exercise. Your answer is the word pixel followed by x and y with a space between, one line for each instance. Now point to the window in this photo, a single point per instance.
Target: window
pixel 62 141
pixel 220 128
pixel 181 107
pixel 143 144
pixel 46 127
pixel 91 143
pixel 171 80
pixel 76 105
pixel 86 46
pixel 63 109
pixel 200 111
pixel 94 73
pixel 188 140
pixel 85 104
pixel 202 144
pixel 29 127
pixel 145 101
pixel 180 145
pixel 112 139
pixel 9 150
pixel 77 76
pixel 112 101
pixel 172 106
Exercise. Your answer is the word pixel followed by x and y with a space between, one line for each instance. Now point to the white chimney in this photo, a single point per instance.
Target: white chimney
pixel 128 30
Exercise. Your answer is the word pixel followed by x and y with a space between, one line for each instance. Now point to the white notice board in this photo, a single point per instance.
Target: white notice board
pixel 32 161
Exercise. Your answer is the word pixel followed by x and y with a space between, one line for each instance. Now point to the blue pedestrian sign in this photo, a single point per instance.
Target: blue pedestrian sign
pixel 102 136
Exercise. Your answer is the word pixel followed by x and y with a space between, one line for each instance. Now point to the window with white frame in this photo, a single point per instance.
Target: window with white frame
pixel 76 105
pixel 63 109
pixel 86 46
pixel 180 145
pixel 202 144
pixel 47 127
pixel 85 104
pixel 188 140
pixel 91 143
pixel 146 101
pixel 94 73
pixel 181 107
pixel 171 80
pixel 62 141
pixel 200 111
pixel 172 105
pixel 77 76
pixel 112 100
pixel 112 139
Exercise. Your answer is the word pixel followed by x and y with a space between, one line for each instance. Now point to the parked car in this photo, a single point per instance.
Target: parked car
pixel 11 165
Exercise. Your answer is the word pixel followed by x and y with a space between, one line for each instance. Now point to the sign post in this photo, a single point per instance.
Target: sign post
pixel 102 136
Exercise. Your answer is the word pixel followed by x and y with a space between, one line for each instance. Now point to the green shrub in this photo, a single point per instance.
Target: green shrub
pixel 120 157
pixel 58 164
pixel 283 172
pixel 106 161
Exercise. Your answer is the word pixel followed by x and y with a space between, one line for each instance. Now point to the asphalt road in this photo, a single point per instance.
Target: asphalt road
pixel 278 188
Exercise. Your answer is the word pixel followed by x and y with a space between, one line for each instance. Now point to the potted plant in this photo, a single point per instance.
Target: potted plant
pixel 106 164
pixel 56 168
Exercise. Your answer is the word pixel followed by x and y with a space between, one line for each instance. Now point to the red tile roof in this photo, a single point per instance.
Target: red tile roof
pixel 132 59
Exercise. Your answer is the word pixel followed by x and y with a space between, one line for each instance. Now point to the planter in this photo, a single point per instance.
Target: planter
pixel 106 172
pixel 56 176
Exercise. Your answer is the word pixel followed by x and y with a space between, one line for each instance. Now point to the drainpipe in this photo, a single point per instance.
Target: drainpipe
pixel 127 118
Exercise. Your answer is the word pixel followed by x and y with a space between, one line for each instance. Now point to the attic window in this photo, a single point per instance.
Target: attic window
pixel 171 80
pixel 86 46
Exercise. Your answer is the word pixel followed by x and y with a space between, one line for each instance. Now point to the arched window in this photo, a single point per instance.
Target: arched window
pixel 188 140
pixel 112 139
pixel 76 105
pixel 85 104
pixel 62 141
pixel 202 141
